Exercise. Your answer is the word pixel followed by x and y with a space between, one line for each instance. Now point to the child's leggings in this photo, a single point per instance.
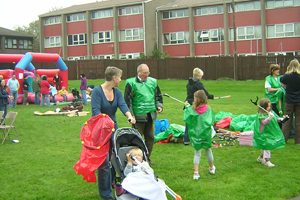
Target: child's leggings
pixel 209 156
pixel 266 154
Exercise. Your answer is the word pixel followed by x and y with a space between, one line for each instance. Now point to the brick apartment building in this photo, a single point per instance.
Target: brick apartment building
pixel 123 29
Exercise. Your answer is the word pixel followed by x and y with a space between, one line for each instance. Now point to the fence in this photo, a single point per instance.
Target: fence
pixel 253 67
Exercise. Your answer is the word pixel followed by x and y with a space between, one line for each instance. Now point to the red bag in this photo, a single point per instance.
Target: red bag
pixel 95 136
pixel 224 123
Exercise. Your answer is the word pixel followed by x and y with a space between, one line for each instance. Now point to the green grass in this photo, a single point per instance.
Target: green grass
pixel 41 165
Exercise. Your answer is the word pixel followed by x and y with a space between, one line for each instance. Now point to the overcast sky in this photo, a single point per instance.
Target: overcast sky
pixel 15 13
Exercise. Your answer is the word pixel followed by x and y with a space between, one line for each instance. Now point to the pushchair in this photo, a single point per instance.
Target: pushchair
pixel 124 140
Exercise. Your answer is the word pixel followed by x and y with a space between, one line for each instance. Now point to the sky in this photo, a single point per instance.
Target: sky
pixel 16 13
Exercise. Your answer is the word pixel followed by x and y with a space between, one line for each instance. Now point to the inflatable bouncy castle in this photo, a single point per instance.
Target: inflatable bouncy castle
pixel 25 67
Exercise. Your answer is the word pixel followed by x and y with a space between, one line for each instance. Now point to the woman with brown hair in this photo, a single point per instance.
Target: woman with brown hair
pixel 272 85
pixel 292 99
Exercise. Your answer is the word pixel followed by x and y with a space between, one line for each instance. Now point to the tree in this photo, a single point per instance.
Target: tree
pixel 33 30
pixel 156 53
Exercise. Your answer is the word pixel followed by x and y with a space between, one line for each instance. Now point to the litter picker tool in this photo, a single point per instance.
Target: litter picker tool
pixel 165 94
pixel 223 97
pixel 282 120
pixel 255 103
pixel 160 182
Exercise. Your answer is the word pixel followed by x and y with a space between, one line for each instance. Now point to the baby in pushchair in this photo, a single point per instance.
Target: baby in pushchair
pixel 130 162
pixel 139 181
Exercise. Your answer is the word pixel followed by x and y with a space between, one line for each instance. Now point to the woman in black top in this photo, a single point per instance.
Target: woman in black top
pixel 193 85
pixel 3 98
pixel 292 99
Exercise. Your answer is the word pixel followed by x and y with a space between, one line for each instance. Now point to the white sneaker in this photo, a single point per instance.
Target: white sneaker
pixel 213 170
pixel 196 176
pixel 269 164
pixel 261 160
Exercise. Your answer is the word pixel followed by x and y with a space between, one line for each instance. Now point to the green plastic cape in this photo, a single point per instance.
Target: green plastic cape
pixel 200 127
pixel 271 136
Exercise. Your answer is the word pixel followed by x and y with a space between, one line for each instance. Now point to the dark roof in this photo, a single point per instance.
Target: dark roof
pixel 92 6
pixel 8 32
pixel 192 3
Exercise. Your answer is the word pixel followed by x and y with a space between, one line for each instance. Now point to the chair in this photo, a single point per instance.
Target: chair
pixel 5 126
pixel 1 115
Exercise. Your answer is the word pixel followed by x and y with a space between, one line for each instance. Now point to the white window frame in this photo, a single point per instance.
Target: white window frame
pixel 176 38
pixel 209 10
pixel 212 35
pixel 242 6
pixel 132 34
pixel 52 20
pixel 104 38
pixel 175 14
pixel 77 58
pixel 284 33
pixel 111 56
pixel 76 17
pixel 54 41
pixel 129 56
pixel 273 4
pixel 245 34
pixel 131 10
pixel 78 41
pixel 102 14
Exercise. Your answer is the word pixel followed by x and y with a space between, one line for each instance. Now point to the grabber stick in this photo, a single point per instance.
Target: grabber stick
pixel 223 97
pixel 165 94
pixel 255 103
pixel 160 182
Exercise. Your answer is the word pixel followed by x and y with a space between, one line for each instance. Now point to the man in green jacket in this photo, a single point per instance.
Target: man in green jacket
pixel 143 98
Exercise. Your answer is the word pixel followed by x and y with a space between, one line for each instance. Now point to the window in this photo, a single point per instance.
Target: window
pixel 281 3
pixel 103 57
pixel 246 33
pixel 102 14
pixel 53 41
pixel 102 37
pixel 246 6
pixel 52 20
pixel 77 58
pixel 132 34
pixel 130 10
pixel 76 17
pixel 283 30
pixel 176 38
pixel 25 44
pixel 209 10
pixel 175 14
pixel 77 39
pixel 129 56
pixel 209 35
pixel 8 43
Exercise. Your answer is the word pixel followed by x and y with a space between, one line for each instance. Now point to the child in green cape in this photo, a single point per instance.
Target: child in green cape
pixel 199 118
pixel 267 133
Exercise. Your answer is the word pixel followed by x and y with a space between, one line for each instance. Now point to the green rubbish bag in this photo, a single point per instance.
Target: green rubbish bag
pixel 175 129
pixel 222 115
pixel 199 126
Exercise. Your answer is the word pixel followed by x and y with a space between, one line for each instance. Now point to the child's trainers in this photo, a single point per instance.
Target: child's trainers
pixel 261 160
pixel 213 170
pixel 269 164
pixel 196 176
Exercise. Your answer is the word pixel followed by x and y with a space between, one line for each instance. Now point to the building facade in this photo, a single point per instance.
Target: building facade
pixel 125 29
pixel 205 27
pixel 13 42
pixel 120 29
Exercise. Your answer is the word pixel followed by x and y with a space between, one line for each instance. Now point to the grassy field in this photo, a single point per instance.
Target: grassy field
pixel 41 165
